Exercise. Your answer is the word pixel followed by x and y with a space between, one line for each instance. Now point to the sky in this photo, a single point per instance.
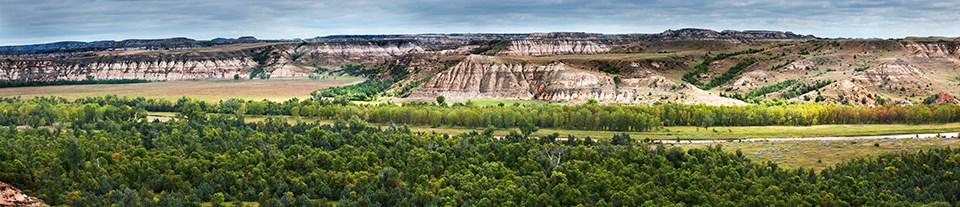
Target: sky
pixel 41 21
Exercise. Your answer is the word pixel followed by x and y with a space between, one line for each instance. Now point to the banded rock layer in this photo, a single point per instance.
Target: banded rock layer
pixel 485 77
pixel 541 47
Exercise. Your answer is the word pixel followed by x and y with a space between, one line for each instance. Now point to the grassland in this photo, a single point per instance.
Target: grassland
pixel 277 89
pixel 823 154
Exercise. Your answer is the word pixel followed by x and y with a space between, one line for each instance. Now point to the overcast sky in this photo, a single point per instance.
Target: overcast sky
pixel 40 21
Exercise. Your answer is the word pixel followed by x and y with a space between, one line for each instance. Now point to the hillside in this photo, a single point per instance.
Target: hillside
pixel 11 196
pixel 685 66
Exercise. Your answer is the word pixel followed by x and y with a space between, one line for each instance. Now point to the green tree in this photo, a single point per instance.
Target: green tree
pixel 441 101
pixel 192 111
pixel 217 199
pixel 527 128
pixel 592 101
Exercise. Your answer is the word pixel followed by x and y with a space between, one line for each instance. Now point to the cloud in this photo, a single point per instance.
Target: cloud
pixel 34 21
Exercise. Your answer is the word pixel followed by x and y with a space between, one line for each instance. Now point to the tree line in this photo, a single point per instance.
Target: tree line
pixel 611 117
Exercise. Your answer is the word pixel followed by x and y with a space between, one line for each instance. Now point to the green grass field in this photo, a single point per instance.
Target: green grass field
pixel 823 154
pixel 277 89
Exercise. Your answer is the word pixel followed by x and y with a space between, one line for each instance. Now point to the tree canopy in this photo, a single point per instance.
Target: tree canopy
pixel 102 155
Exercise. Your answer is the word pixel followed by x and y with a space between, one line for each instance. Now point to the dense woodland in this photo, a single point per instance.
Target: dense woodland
pixel 86 154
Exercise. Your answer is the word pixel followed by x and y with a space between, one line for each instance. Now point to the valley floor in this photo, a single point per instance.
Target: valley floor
pixel 276 89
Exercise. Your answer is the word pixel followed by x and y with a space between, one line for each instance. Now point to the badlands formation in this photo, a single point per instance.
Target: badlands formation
pixel 685 66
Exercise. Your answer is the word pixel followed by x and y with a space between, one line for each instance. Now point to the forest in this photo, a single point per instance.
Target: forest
pixel 87 154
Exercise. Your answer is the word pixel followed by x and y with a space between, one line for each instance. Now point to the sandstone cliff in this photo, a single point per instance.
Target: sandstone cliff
pixel 942 49
pixel 898 71
pixel 152 67
pixel 540 47
pixel 336 54
pixel 285 60
pixel 364 48
pixel 486 77
pixel 11 196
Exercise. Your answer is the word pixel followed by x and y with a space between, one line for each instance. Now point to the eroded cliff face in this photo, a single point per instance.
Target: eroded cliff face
pixel 286 60
pixel 481 77
pixel 359 50
pixel 486 77
pixel 333 55
pixel 898 71
pixel 11 196
pixel 540 47
pixel 945 49
pixel 159 67
pixel 580 86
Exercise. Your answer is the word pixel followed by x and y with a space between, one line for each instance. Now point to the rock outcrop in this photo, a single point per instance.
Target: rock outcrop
pixel 364 48
pixel 11 196
pixel 287 60
pixel 944 98
pixel 943 49
pixel 334 54
pixel 540 47
pixel 486 77
pixel 898 71
pixel 148 68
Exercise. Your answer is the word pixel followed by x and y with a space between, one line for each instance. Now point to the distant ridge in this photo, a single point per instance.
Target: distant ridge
pixel 150 44
pixel 182 42
pixel 726 35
